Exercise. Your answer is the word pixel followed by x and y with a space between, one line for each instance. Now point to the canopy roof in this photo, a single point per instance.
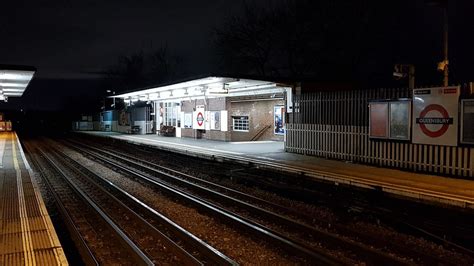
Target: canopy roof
pixel 13 82
pixel 209 87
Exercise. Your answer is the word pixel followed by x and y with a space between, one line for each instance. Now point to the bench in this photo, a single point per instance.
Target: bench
pixel 168 131
pixel 135 130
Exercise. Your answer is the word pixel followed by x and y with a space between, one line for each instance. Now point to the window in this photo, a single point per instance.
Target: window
pixel 170 116
pixel 241 123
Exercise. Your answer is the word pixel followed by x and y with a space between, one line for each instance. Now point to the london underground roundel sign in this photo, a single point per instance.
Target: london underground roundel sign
pixel 435 116
pixel 444 121
pixel 200 119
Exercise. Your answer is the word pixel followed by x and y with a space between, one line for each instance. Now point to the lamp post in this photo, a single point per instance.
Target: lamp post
pixel 445 37
pixel 113 93
pixel 443 65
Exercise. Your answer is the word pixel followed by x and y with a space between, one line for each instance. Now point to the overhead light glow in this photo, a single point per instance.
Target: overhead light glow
pixel 5 89
pixel 14 82
pixel 11 84
pixel 16 75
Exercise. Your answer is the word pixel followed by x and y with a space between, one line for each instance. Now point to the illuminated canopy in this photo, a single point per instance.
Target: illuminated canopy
pixel 13 82
pixel 208 87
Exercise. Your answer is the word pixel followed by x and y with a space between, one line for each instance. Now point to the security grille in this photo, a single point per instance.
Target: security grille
pixel 241 123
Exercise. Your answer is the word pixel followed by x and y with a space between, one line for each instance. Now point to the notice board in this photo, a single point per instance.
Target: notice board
pixel 378 120
pixel 400 114
pixel 467 120
pixel 435 116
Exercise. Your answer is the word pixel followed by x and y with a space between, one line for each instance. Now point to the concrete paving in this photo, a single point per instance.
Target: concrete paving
pixel 419 186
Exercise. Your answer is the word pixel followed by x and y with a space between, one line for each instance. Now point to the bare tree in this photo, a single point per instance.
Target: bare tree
pixel 294 38
pixel 143 69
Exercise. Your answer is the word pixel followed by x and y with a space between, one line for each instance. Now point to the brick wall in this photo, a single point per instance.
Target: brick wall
pixel 260 114
pixel 215 104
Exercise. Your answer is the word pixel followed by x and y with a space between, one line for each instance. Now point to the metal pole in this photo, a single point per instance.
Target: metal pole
pixel 446 72
pixel 411 76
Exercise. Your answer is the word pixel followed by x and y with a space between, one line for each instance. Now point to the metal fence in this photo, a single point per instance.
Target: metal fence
pixel 334 124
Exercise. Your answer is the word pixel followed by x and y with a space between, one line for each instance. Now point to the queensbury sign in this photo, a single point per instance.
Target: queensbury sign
pixel 435 113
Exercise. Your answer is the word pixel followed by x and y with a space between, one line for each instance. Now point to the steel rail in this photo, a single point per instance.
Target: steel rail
pixel 153 167
pixel 290 244
pixel 364 252
pixel 139 256
pixel 371 239
pixel 84 250
pixel 210 252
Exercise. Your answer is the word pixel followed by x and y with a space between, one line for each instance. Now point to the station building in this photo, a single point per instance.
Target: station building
pixel 427 130
pixel 213 108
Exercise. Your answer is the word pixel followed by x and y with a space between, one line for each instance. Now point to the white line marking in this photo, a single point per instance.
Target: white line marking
pixel 251 142
pixel 183 145
pixel 26 232
pixel 2 150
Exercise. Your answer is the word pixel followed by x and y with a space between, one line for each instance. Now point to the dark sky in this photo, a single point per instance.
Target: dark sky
pixel 68 40
pixel 64 38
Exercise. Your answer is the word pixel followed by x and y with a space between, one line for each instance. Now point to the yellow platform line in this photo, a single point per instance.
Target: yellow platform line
pixel 25 227
pixel 53 237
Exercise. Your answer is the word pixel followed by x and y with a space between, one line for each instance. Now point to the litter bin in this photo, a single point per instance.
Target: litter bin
pixel 135 129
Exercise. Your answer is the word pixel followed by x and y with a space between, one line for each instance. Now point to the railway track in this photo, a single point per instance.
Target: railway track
pixel 96 237
pixel 133 216
pixel 388 210
pixel 300 234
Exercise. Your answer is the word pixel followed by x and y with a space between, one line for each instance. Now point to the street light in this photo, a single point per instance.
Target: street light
pixel 443 65
pixel 113 93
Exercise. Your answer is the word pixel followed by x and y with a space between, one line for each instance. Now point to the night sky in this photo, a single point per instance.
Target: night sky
pixel 72 42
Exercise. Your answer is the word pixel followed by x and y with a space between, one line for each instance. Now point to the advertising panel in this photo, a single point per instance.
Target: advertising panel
pixel 215 118
pixel 435 116
pixel 467 118
pixel 279 119
pixel 124 118
pixel 400 120
pixel 188 120
pixel 199 119
pixel 378 122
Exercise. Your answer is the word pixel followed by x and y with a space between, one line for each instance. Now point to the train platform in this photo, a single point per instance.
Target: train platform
pixel 27 233
pixel 418 186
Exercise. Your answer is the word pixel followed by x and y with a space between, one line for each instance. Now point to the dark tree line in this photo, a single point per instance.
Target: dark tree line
pixel 335 40
pixel 295 38
pixel 144 68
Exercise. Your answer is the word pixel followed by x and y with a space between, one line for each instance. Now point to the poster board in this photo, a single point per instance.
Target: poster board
pixel 378 120
pixel 279 119
pixel 435 116
pixel 215 120
pixel 124 118
pixel 188 120
pixel 467 121
pixel 400 120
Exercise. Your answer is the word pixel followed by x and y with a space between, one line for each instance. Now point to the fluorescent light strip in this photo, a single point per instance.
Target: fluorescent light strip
pixel 13 85
pixel 13 89
pixel 182 85
pixel 16 75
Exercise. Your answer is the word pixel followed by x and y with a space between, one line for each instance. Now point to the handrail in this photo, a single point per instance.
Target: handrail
pixel 260 133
